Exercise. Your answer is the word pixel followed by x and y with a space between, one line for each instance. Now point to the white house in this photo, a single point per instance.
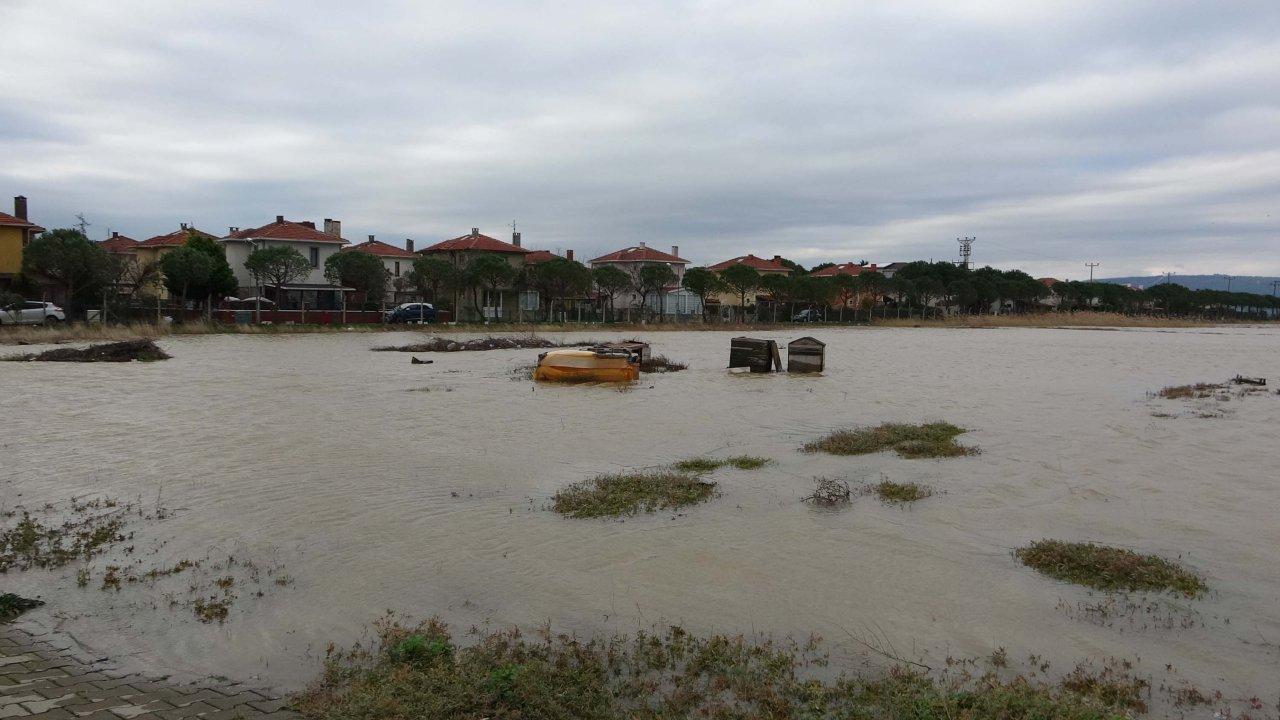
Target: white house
pixel 676 300
pixel 313 290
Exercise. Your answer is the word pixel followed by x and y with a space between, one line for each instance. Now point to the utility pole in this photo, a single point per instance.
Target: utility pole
pixel 966 250
pixel 1229 279
pixel 1091 266
pixel 1168 278
pixel 82 224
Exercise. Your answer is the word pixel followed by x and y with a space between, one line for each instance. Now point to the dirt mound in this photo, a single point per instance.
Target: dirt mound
pixel 127 351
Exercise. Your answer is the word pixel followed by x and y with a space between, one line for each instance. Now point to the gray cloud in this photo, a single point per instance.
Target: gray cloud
pixel 1141 135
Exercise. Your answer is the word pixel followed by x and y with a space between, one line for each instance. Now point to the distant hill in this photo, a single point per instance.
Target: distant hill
pixel 1239 283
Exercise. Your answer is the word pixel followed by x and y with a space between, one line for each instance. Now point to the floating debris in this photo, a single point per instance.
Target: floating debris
pixel 126 351
pixel 828 492
pixel 441 344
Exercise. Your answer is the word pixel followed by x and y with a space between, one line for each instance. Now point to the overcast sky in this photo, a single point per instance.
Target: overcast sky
pixel 1145 136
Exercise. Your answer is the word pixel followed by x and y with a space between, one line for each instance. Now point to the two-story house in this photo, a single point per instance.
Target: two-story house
pixel 312 290
pixel 674 299
pixel 398 261
pixel 149 252
pixel 461 252
pixel 15 232
pixel 765 268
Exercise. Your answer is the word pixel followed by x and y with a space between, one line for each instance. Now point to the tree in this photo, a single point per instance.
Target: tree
pixel 701 282
pixel 653 278
pixel 185 269
pixel 278 265
pixel 740 280
pixel 781 288
pixel 221 281
pixel 814 291
pixel 432 273
pixel 71 260
pixel 610 280
pixel 846 291
pixel 360 271
pixel 558 279
pixel 489 272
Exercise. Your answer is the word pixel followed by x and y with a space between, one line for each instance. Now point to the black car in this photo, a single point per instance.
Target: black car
pixel 411 313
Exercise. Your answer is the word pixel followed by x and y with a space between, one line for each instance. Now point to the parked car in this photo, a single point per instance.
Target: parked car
pixel 411 313
pixel 32 312
pixel 809 315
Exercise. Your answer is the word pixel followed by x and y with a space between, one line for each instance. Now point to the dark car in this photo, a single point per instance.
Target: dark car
pixel 809 315
pixel 411 313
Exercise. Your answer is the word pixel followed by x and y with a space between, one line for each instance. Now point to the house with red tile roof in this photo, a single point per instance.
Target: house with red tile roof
pixel 674 300
pixel 119 244
pixel 848 268
pixel 397 260
pixel 150 251
pixel 486 304
pixel 15 232
pixel 312 291
pixel 762 266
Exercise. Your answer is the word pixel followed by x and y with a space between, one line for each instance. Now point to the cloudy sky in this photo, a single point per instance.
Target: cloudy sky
pixel 1142 135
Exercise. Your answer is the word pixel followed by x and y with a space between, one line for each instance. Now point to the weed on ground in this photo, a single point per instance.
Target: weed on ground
pixel 829 492
pixel 1109 568
pixel 87 530
pixel 421 672
pixel 930 440
pixel 631 493
pixel 11 606
pixel 893 492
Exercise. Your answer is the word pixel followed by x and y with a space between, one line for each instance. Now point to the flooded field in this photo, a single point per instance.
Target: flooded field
pixel 373 484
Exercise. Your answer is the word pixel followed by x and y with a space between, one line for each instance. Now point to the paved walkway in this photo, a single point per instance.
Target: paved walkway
pixel 44 676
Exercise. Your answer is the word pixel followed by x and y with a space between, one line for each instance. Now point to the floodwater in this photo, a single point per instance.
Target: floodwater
pixel 375 484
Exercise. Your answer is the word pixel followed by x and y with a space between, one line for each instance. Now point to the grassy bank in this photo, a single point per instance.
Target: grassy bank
pixel 421 672
pixel 631 493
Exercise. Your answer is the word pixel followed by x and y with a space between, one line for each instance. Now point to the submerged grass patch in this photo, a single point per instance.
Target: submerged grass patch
pixel 662 364
pixel 706 464
pixel 412 672
pixel 32 544
pixel 930 440
pixel 1109 568
pixel 893 492
pixel 631 493
pixel 1188 392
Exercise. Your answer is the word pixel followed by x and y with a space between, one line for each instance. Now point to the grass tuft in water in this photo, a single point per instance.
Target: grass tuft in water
pixel 892 492
pixel 1109 568
pixel 930 440
pixel 705 465
pixel 631 493
pixel 419 671
pixel 662 364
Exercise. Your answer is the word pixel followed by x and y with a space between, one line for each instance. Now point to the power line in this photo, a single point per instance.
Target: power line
pixel 1091 266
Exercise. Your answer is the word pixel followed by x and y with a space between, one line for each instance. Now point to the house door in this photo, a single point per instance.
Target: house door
pixel 492 305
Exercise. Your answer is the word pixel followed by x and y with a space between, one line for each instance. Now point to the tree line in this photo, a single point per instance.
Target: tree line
pixel 198 272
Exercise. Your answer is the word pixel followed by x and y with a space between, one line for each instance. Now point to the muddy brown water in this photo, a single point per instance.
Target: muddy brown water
pixel 376 484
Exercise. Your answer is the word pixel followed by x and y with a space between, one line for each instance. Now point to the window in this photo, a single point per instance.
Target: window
pixel 315 257
pixel 397 271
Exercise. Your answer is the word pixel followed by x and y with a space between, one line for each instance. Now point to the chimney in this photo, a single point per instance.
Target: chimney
pixel 115 234
pixel 408 244
pixel 370 238
pixel 568 254
pixel 279 218
pixel 641 243
pixel 183 225
pixel 332 227
pixel 475 232
pixel 308 223
pixel 232 230
pixel 777 259
pixel 515 239
pixel 675 250
pixel 20 207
